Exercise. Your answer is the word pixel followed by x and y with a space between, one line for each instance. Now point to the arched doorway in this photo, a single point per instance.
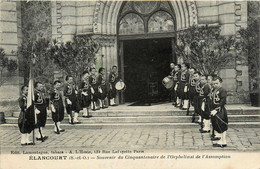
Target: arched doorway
pixel 146 32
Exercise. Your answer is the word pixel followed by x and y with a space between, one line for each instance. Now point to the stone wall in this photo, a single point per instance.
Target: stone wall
pixel 99 18
pixel 77 18
pixel 231 16
pixel 10 38
pixel 70 18
pixel 63 19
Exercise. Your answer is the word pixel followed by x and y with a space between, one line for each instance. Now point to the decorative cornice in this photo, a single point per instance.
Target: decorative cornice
pixel 104 40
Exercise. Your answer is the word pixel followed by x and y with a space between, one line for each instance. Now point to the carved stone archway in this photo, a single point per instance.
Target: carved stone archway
pixel 105 25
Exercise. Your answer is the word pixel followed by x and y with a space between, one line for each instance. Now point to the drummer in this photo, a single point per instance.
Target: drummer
pixel 113 78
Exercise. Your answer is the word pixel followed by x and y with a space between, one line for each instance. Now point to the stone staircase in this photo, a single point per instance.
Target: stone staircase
pixel 155 115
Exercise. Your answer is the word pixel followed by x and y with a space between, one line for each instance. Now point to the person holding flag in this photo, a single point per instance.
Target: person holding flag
pixel 26 120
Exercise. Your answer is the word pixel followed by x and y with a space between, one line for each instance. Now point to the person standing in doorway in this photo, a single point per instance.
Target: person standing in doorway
pixel 176 82
pixel 171 75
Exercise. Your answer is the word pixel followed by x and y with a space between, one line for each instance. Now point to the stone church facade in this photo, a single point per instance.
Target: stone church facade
pixel 114 22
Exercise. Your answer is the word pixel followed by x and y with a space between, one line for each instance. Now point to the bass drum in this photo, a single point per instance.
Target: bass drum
pixel 167 82
pixel 120 85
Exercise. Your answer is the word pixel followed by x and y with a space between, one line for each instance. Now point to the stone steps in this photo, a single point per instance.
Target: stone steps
pixel 65 125
pixel 141 112
pixel 157 115
pixel 148 119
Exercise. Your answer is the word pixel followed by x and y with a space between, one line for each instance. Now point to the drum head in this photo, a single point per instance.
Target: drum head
pixel 120 85
pixel 167 82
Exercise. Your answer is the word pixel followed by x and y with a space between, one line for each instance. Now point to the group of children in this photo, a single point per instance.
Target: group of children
pixel 206 94
pixel 67 98
pixel 190 88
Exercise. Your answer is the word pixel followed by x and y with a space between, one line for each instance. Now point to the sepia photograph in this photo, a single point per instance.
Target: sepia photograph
pixel 129 84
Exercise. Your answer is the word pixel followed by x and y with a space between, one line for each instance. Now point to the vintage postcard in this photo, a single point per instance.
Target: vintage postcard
pixel 129 84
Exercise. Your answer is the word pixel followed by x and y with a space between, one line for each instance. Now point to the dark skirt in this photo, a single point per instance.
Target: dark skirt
pixel 217 124
pixel 41 117
pixel 112 92
pixel 26 121
pixel 173 93
pixel 183 95
pixel 191 94
pixel 102 95
pixel 197 109
pixel 178 93
pixel 74 106
pixel 59 114
pixel 85 100
pixel 206 113
pixel 94 97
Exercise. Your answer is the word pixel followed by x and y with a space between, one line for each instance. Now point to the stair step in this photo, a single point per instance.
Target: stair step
pixel 149 119
pixel 143 125
pixel 167 112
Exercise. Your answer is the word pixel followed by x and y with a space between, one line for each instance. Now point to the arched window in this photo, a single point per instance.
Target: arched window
pixel 142 17
pixel 131 24
pixel 161 22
